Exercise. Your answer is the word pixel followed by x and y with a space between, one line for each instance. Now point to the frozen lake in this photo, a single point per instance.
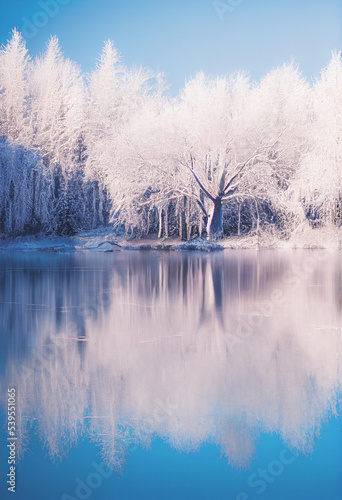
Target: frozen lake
pixel 213 376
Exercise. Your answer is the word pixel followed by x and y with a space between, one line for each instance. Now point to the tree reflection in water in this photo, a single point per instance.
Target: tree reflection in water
pixel 129 346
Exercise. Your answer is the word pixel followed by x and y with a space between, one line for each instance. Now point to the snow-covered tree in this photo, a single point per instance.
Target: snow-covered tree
pixel 226 155
pixel 224 140
pixel 57 107
pixel 57 121
pixel 115 96
pixel 14 62
pixel 319 184
pixel 24 190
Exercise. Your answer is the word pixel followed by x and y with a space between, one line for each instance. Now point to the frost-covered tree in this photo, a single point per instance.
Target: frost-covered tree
pixel 14 62
pixel 24 191
pixel 226 155
pixel 115 95
pixel 57 121
pixel 57 107
pixel 319 184
pixel 223 141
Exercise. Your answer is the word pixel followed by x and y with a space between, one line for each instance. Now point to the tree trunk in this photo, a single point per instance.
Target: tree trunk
pixel 166 222
pixel 34 175
pixel 148 222
pixel 183 231
pixel 215 229
pixel 188 226
pixel 160 232
pixel 258 217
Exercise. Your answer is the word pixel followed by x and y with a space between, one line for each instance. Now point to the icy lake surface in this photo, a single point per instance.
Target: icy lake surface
pixel 192 376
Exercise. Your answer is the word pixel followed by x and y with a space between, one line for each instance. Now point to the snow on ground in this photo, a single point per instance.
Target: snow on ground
pixel 303 237
pixel 104 240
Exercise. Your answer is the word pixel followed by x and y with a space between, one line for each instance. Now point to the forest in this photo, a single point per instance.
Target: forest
pixel 227 156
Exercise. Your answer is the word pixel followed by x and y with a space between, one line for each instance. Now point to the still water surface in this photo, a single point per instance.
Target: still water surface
pixel 189 375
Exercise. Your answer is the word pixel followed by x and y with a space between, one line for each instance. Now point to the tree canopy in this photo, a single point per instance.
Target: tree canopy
pixel 225 156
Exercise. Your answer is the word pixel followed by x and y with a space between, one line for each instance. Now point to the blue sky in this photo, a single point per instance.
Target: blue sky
pixel 181 37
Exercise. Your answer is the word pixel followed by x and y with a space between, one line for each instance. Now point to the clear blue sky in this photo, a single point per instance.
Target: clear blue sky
pixel 181 37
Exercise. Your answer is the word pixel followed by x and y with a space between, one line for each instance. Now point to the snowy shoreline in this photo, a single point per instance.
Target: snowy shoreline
pixel 105 240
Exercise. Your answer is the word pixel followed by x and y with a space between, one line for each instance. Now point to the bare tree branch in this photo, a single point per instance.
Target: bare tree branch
pixel 238 172
pixel 199 182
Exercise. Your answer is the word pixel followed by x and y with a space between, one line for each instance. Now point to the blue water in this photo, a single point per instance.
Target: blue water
pixel 145 351
pixel 160 473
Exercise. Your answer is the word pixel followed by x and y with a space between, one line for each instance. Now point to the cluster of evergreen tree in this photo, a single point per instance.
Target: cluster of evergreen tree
pixel 43 186
pixel 226 156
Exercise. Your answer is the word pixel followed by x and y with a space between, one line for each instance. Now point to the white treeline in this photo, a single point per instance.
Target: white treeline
pixel 226 156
